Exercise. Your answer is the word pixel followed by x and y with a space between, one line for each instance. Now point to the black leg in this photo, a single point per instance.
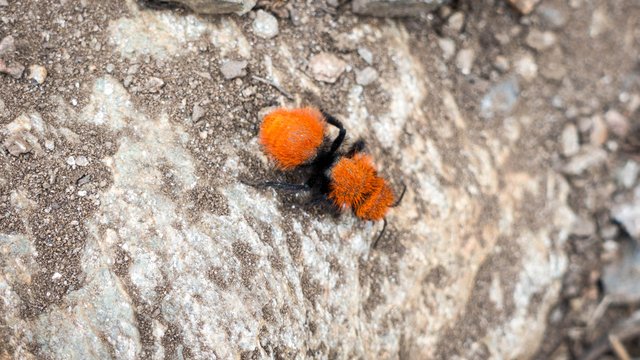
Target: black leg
pixel 343 132
pixel 384 227
pixel 357 147
pixel 404 189
pixel 277 185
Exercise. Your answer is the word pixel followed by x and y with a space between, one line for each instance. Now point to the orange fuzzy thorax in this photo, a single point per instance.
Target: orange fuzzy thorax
pixel 292 137
pixel 355 184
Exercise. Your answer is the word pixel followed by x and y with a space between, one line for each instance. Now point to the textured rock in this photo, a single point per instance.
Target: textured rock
pixel 178 258
pixel 232 69
pixel 395 7
pixel 265 25
pixel 326 67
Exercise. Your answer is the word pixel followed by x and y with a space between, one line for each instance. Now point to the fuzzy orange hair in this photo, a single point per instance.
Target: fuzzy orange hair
pixel 292 136
pixel 352 179
pixel 377 203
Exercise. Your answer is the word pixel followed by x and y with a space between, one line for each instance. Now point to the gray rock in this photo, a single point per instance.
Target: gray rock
pixel 570 141
pixel 15 70
pixel 627 213
pixel 366 55
pixel 4 3
pixel 465 59
pixel 620 278
pixel 583 227
pixel 526 67
pixel 232 69
pixel 7 46
pixel 455 22
pixel 265 25
pixel 326 67
pixel 500 99
pixel 552 16
pixel 153 85
pixel 20 138
pixel 385 8
pixel 197 113
pixel 448 47
pixel 628 174
pixel 617 123
pixel 82 160
pixel 210 7
pixel 366 76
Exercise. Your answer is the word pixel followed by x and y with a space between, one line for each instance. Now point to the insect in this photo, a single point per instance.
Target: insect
pixel 297 138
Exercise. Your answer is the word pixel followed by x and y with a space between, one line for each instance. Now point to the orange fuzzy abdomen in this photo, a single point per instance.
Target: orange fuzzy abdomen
pixel 355 184
pixel 377 203
pixel 292 137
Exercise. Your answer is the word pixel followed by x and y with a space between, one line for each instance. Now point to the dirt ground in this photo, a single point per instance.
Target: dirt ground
pixel 589 68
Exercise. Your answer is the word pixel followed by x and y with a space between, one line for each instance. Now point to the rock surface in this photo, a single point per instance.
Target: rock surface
pixel 134 226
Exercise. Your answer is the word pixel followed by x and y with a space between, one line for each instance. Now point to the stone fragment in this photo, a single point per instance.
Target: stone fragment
pixel 501 63
pixel 620 278
pixel 587 158
pixel 464 60
pixel 15 70
pixel 500 99
pixel 153 85
pixel 455 22
pixel 232 69
pixel 197 113
pixel 524 6
pixel 617 122
pixel 388 8
pixel 4 3
pixel 366 55
pixel 366 76
pixel 7 45
pixel 541 40
pixel 212 6
pixel 628 174
pixel 627 213
pixel 599 131
pixel 570 141
pixel 19 135
pixel 82 160
pixel 265 25
pixel 552 16
pixel 326 67
pixel 37 73
pixel 448 47
pixel 583 227
pixel 527 67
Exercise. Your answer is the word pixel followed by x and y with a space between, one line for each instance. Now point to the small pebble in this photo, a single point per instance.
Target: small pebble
pixel 524 6
pixel 153 84
pixel 570 141
pixel 366 55
pixel 448 47
pixel 197 113
pixel 599 131
pixel 456 22
pixel 366 76
pixel 464 60
pixel 71 161
pixel 56 276
pixel 37 73
pixel 82 161
pixel 7 45
pixel 617 122
pixel 326 67
pixel 82 193
pixel 501 63
pixel 265 25
pixel 232 69
pixel 15 70
pixel 527 67
pixel 49 145
pixel 110 67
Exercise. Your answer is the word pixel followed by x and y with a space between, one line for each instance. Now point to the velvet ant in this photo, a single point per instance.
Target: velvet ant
pixel 295 138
